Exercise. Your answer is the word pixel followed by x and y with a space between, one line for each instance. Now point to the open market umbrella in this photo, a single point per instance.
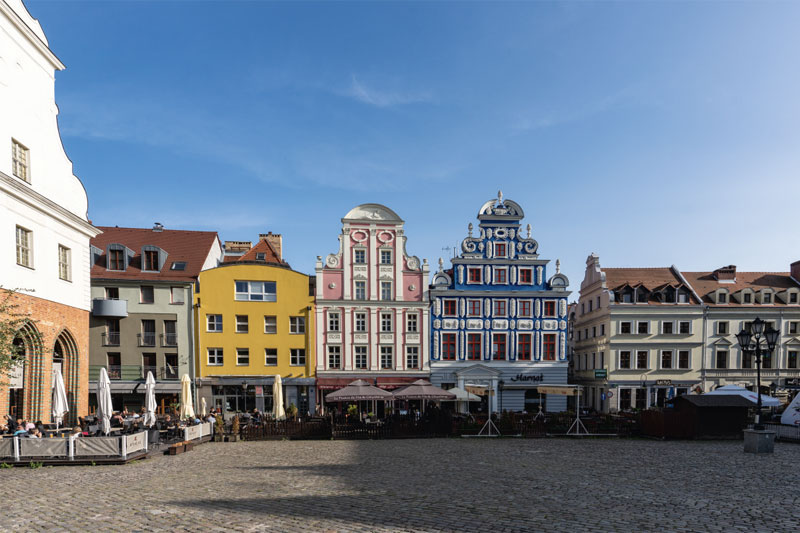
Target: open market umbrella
pixel 187 408
pixel 463 397
pixel 104 407
pixel 278 412
pixel 150 400
pixel 423 390
pixel 736 390
pixel 60 407
pixel 357 391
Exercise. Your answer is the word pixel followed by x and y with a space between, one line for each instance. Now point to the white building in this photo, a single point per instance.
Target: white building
pixel 44 229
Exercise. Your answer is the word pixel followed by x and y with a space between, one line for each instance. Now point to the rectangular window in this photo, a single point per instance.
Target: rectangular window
pixel 270 324
pixel 214 323
pixel 176 295
pixel 793 327
pixel 524 309
pixel 642 359
pixel 450 308
pixel 624 328
pixel 116 259
pixel 148 335
pixel 473 307
pixel 747 298
pixel 792 297
pixel 684 327
pixel 297 357
pixel 500 275
pixel 361 357
pixel 500 308
pixel 474 275
pixel 722 328
pixel 499 346
pixel 20 158
pixel 667 328
pixel 602 329
pixel 767 298
pixel 791 359
pixel 549 347
pixel 256 291
pixel 524 347
pixel 270 357
pixel 549 308
pixel 178 265
pixel 722 359
pixel 146 294
pixel 114 365
pixel 643 328
pixel 297 325
pixel 333 321
pixel 684 359
pixel 242 324
pixel 361 322
pixel 747 360
pixel 64 263
pixel 499 249
pixel 386 323
pixel 170 333
pixel 722 298
pixel 412 357
pixel 386 257
pixel 666 359
pixel 215 356
pixel 150 259
pixel 361 290
pixel 474 346
pixel 386 290
pixel 624 399
pixel 242 356
pixel 360 257
pixel 112 293
pixel 766 360
pixel 24 247
pixel 412 323
pixel 387 357
pixel 625 359
pixel 526 276
pixel 449 347
pixel 594 331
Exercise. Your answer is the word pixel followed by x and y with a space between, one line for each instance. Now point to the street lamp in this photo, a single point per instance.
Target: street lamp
pixel 750 340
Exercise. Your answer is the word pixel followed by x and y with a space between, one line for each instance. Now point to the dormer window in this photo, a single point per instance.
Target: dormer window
pixel 641 295
pixel 116 257
pixel 683 297
pixel 669 295
pixel 722 297
pixel 627 297
pixel 153 258
pixel 792 297
pixel 261 256
pixel 766 297
pixel 500 249
pixel 747 298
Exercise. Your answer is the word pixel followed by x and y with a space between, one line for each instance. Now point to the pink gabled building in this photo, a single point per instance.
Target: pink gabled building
pixel 372 305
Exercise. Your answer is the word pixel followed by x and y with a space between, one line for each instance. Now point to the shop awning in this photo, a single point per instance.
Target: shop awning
pixel 559 390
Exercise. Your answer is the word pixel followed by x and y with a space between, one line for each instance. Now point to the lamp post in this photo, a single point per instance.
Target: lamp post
pixel 756 341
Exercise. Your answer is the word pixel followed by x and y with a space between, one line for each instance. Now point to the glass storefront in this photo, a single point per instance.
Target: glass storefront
pixel 233 398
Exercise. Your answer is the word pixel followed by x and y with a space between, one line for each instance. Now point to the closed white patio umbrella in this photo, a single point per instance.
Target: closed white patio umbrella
pixel 60 407
pixel 736 390
pixel 104 407
pixel 150 400
pixel 203 408
pixel 187 409
pixel 278 412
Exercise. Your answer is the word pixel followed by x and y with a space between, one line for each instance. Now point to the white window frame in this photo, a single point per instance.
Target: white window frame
pixel 444 307
pixel 415 351
pixel 270 321
pixel 337 351
pixel 239 352
pixel 494 249
pixel 496 301
pixel 724 294
pixel 530 308
pixel 360 289
pixel 678 329
pixel 364 318
pixel 242 324
pixel 630 323
pixel 555 308
pixel 384 350
pixel 727 327
pixel 387 293
pixel 387 318
pixel 297 325
pixel 64 263
pixel 480 307
pixel 211 320
pixel 20 161
pixel 24 249
pixel 176 296
pixel 412 319
pixel 630 360
pixel 479 269
pixel 295 357
pixel 637 352
pixel 141 294
pixel 356 355
pixel 664 327
pixel 270 354
pixel 253 294
pixel 497 269
pixel 381 253
pixel 796 325
pixel 218 356
pixel 661 360
pixel 715 362
pixel 688 360
pixel 334 322
pixel 359 251
pixel 642 322
pixel 519 276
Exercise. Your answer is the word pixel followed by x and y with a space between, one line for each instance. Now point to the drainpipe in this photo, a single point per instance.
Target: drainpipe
pixel 191 348
pixel 705 343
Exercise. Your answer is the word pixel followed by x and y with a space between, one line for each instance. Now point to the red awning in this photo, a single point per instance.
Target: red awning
pixel 385 382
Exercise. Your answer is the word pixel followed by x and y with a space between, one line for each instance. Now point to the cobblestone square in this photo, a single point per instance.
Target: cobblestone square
pixel 419 485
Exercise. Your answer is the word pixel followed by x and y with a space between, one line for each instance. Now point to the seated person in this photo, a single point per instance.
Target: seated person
pixel 33 434
pixel 166 424
pixel 20 431
pixel 28 425
pixel 117 421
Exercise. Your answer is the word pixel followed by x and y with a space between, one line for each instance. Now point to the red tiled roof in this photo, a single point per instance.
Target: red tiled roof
pixel 652 279
pixel 263 246
pixel 191 247
pixel 704 283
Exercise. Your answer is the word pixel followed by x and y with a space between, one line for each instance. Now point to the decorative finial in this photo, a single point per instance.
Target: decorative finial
pixel 500 196
pixel 469 229
pixel 529 231
pixel 558 266
pixel 441 264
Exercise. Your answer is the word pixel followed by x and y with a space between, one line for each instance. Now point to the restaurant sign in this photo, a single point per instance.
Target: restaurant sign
pixel 663 382
pixel 529 377
pixel 601 373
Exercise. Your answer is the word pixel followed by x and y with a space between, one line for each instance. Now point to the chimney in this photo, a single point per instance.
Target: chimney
pixel 237 247
pixel 275 240
pixel 794 269
pixel 158 226
pixel 726 274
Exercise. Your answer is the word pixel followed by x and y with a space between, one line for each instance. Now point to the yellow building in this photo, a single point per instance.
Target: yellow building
pixel 254 320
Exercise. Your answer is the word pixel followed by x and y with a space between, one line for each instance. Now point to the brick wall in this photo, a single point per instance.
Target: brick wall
pixel 53 320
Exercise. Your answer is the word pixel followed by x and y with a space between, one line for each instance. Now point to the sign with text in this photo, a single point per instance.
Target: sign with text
pixel 601 373
pixel 557 390
pixel 135 442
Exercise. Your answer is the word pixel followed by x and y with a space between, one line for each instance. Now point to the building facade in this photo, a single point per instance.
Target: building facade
pixel 644 335
pixel 143 285
pixel 255 321
pixel 499 325
pixel 372 305
pixel 44 228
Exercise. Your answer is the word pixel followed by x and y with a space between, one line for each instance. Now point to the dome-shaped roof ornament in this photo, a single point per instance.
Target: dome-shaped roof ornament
pixel 441 264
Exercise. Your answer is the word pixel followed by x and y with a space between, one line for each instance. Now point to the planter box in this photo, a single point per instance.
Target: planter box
pixel 175 449
pixel 189 446
pixel 759 441
pixel 233 438
pixel 219 438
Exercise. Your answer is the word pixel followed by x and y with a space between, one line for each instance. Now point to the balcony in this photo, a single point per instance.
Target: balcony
pixel 169 339
pixel 110 308
pixel 146 339
pixel 134 372
pixel 110 339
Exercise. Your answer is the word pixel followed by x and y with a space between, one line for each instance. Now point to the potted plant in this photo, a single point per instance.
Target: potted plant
pixel 352 411
pixel 234 436
pixel 219 429
pixel 291 411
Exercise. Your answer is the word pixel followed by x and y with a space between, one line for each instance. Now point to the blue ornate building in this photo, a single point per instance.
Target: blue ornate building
pixel 498 324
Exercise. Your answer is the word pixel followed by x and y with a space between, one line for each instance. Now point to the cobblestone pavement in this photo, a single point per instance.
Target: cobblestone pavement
pixel 419 485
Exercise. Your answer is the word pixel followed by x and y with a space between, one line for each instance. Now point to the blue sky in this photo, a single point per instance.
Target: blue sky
pixel 651 133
